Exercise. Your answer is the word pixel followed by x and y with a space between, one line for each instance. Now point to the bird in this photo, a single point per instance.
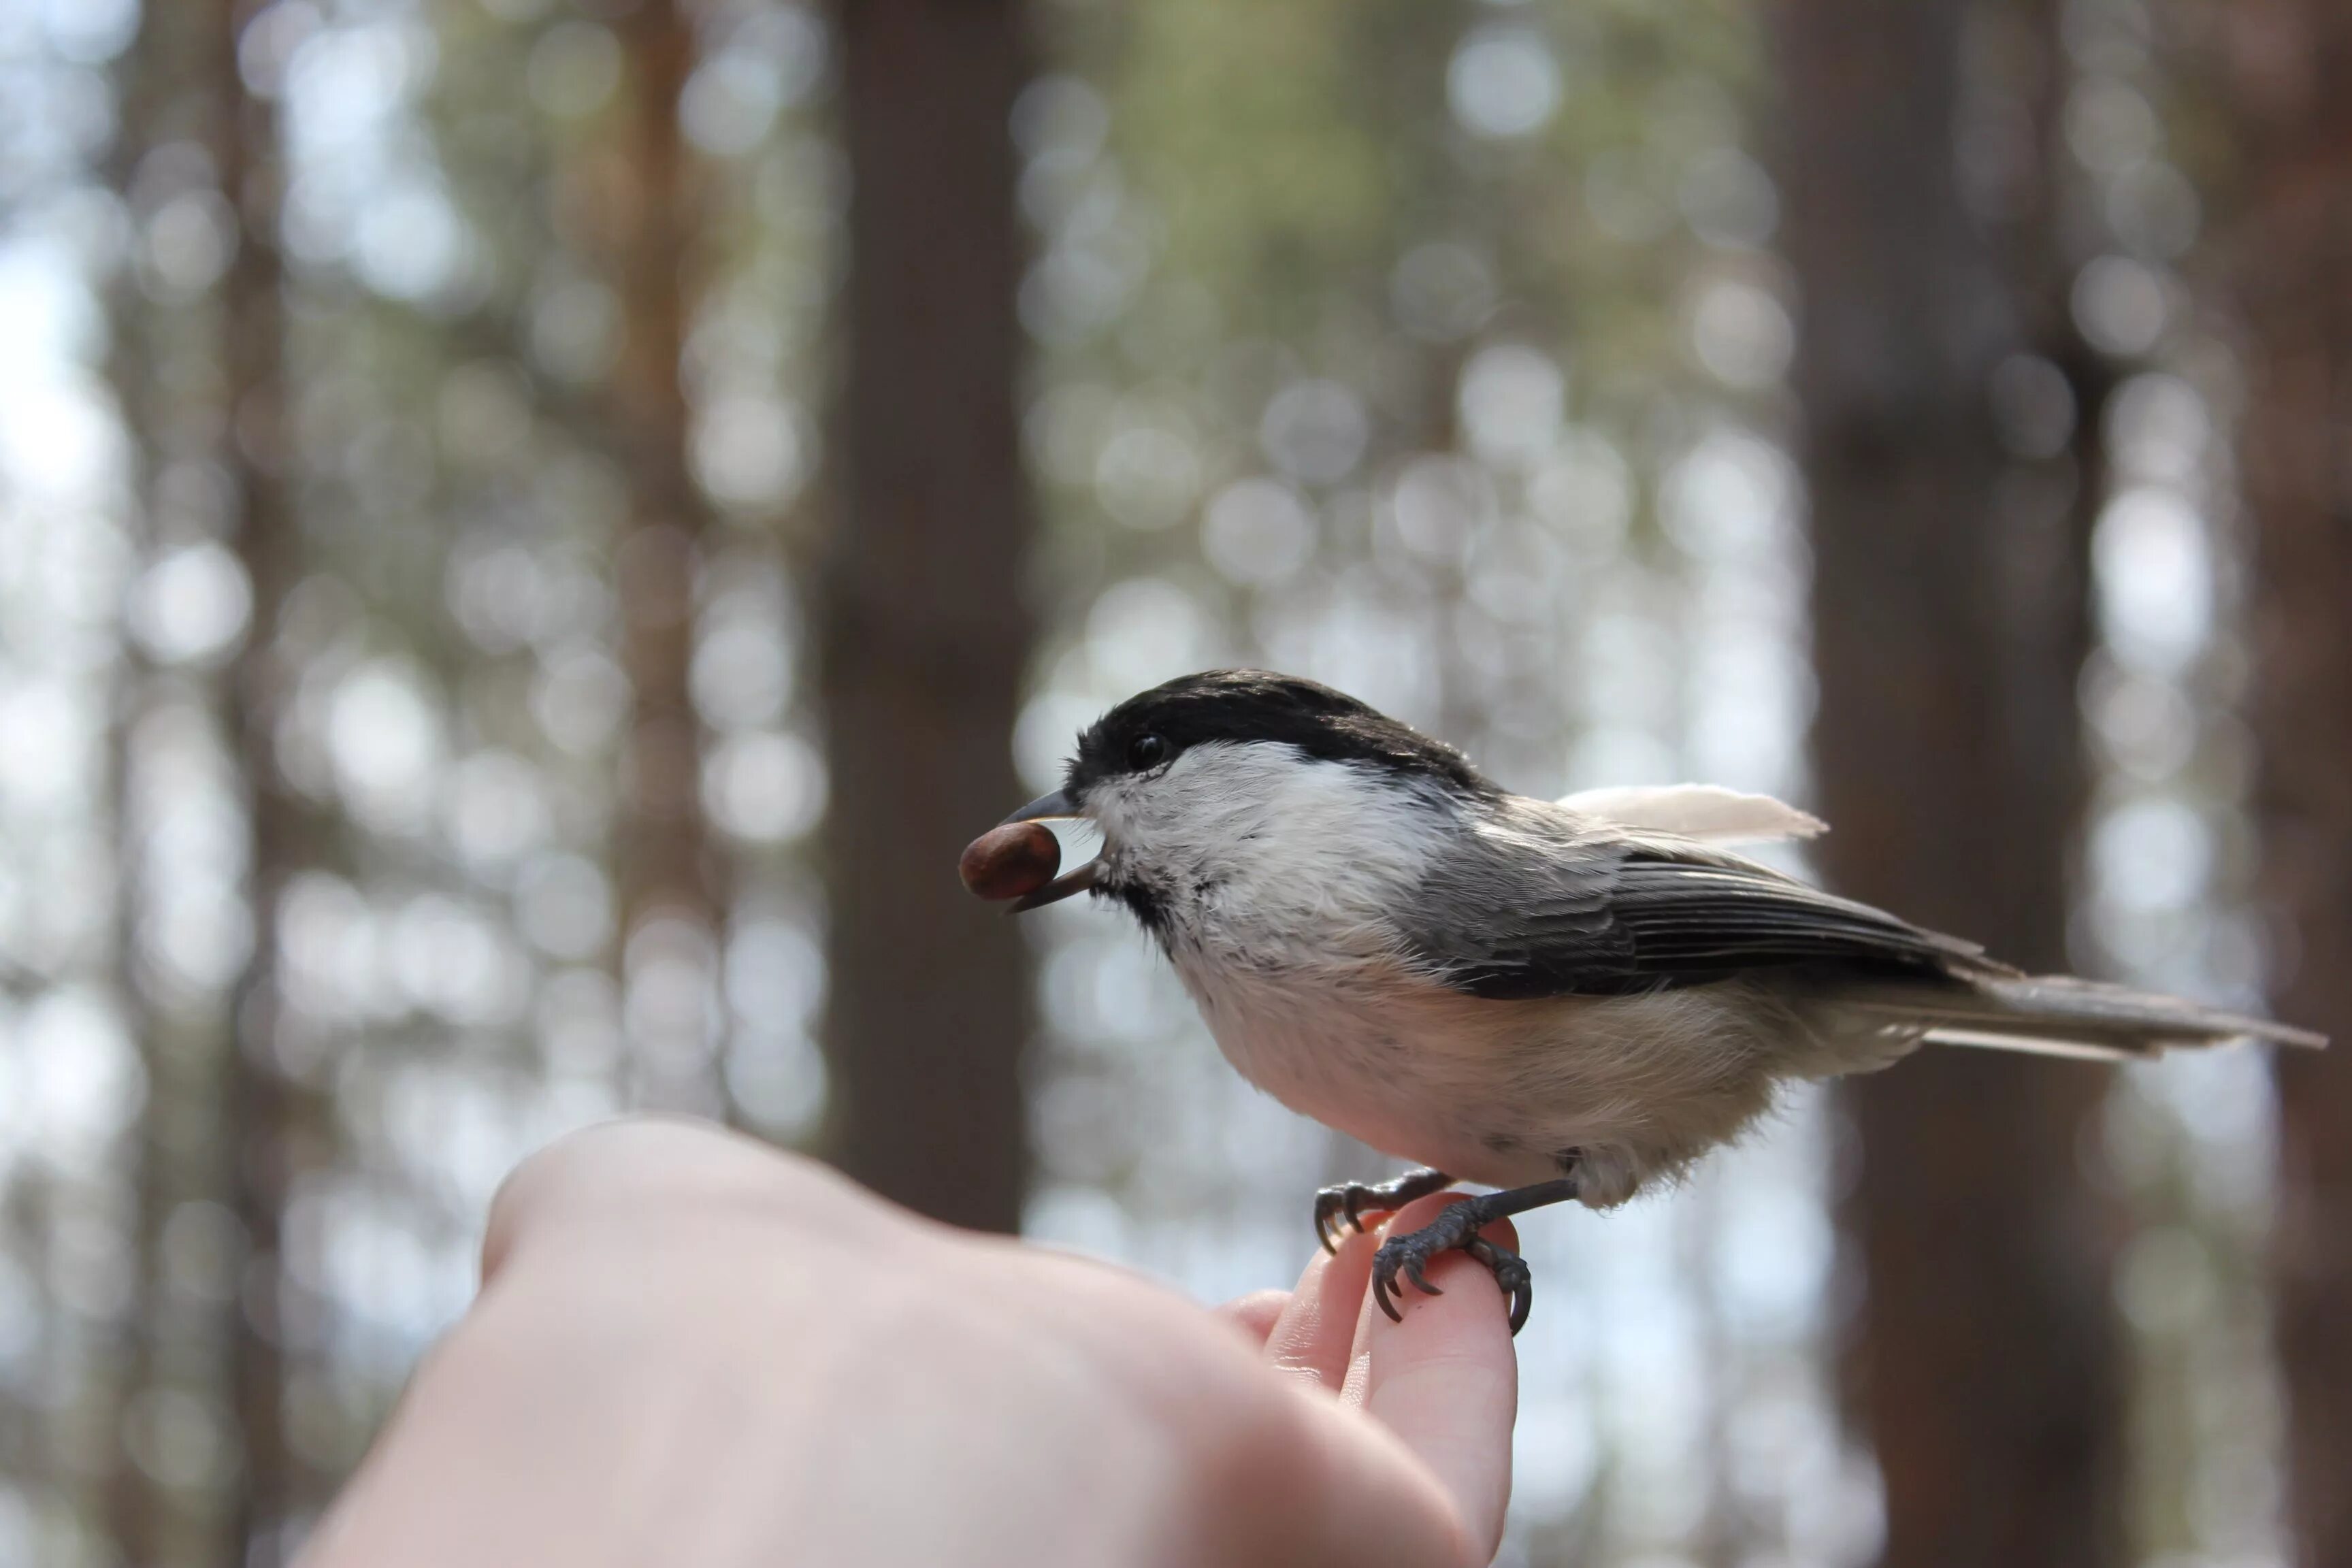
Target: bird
pixel 1568 1000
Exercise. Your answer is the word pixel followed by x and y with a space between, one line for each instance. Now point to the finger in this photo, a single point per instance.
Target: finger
pixel 1256 1313
pixel 1445 1380
pixel 1346 1489
pixel 664 1170
pixel 1311 1340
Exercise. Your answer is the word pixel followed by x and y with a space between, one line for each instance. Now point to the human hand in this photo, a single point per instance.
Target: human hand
pixel 691 1350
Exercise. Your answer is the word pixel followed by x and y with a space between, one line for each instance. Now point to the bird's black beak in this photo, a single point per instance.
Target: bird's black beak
pixel 1044 808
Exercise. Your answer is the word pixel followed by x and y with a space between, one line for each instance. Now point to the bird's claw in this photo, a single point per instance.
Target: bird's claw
pixel 1342 1208
pixel 1511 1274
pixel 1336 1206
pixel 1456 1228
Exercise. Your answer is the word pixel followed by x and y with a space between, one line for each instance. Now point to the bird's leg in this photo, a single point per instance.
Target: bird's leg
pixel 1457 1226
pixel 1349 1201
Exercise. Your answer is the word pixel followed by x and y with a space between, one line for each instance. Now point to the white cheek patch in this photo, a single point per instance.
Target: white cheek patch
pixel 1269 840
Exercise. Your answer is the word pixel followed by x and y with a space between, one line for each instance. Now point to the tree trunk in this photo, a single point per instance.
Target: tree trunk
pixel 2293 285
pixel 275 1125
pixel 925 632
pixel 1949 625
pixel 137 1510
pixel 669 899
pixel 171 93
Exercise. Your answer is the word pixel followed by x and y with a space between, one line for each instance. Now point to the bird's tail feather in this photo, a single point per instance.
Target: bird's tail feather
pixel 2061 1015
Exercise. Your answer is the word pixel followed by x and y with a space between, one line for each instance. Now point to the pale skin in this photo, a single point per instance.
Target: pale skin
pixel 693 1352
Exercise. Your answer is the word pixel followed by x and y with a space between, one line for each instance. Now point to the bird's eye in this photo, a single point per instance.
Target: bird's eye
pixel 1147 752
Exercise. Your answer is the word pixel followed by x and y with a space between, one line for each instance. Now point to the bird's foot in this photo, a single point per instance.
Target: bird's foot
pixel 1347 1203
pixel 1456 1226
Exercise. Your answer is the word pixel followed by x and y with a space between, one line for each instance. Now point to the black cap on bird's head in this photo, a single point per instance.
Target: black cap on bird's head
pixel 1237 707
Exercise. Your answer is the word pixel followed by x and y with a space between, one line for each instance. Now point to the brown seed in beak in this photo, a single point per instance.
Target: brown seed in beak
pixel 1011 861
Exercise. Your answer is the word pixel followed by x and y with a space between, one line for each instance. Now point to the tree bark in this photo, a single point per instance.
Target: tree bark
pixel 925 632
pixel 1949 627
pixel 2293 284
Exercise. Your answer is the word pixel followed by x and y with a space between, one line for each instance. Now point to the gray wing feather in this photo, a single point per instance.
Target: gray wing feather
pixel 1534 903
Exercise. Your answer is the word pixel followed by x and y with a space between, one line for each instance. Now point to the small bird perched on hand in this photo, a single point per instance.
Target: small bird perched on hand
pixel 1564 1000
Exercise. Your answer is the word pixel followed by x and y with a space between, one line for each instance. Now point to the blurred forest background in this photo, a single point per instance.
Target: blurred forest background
pixel 532 532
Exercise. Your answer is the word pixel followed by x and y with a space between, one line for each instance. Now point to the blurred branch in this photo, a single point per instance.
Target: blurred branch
pixel 137 1512
pixel 667 869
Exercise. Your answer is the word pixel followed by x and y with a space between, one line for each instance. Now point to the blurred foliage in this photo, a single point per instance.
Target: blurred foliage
pixel 1435 350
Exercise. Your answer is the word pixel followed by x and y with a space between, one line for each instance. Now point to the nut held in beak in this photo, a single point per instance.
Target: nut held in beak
pixel 1011 861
